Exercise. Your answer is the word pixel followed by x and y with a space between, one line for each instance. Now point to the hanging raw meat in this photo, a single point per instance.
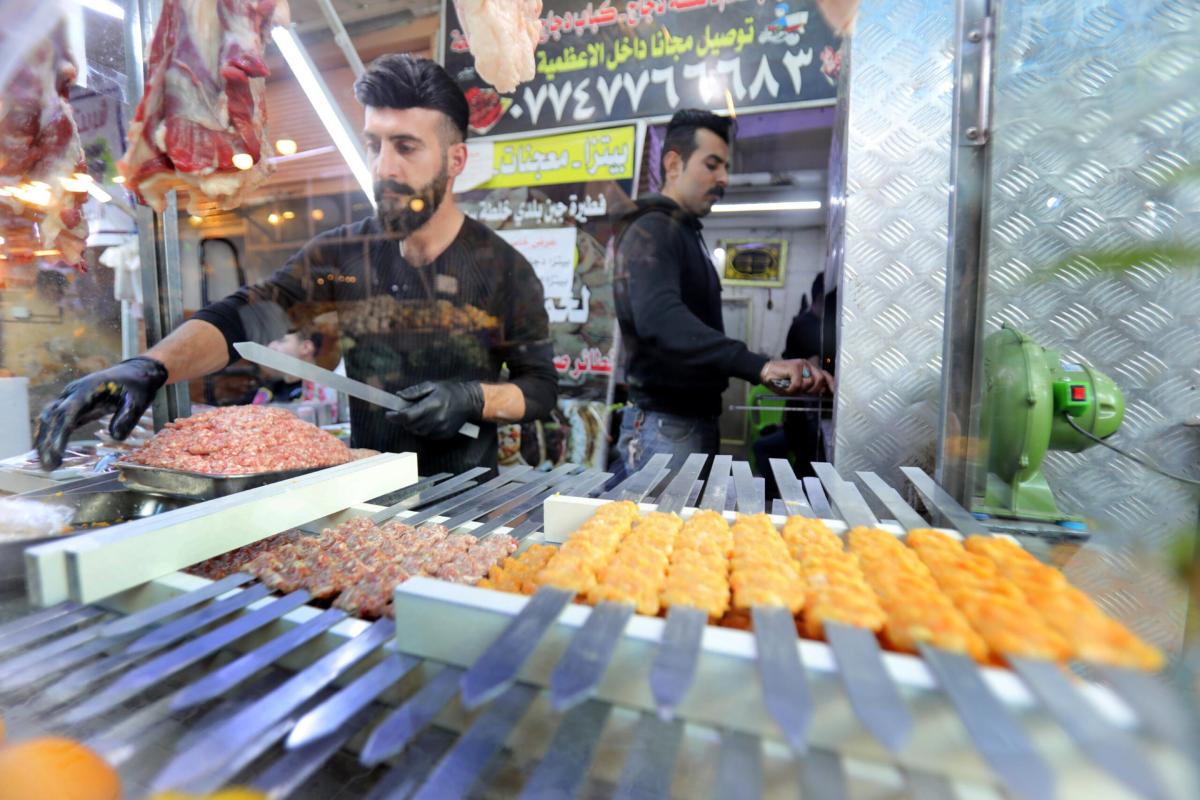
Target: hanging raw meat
pixel 201 123
pixel 503 36
pixel 42 166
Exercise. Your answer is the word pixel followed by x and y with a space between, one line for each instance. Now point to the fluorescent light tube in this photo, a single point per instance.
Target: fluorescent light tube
pixel 106 7
pixel 750 208
pixel 329 114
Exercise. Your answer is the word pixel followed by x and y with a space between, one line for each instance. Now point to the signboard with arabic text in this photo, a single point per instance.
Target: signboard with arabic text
pixel 608 61
pixel 606 155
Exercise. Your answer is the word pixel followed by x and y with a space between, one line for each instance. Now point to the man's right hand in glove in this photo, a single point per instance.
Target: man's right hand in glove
pixel 125 391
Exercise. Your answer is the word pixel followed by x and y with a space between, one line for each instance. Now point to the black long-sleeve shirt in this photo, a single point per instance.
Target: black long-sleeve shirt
pixel 475 308
pixel 668 300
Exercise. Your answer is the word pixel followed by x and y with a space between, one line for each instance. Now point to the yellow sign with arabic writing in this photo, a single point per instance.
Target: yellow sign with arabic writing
pixel 603 155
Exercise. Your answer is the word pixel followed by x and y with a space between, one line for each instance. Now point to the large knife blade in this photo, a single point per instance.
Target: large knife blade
pixel 996 733
pixel 225 741
pixel 402 725
pixel 790 489
pixel 650 767
pixel 1110 749
pixel 564 766
pixel 280 362
pixel 158 669
pixel 582 666
pixel 326 718
pixel 850 504
pixel 785 684
pixel 460 769
pixel 216 684
pixel 497 668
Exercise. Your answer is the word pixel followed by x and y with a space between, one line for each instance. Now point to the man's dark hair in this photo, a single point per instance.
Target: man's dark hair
pixel 403 81
pixel 681 133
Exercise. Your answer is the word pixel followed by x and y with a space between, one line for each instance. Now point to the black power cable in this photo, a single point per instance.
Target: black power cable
pixel 1136 459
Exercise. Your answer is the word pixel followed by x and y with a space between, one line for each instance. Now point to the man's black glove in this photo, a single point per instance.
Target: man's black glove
pixel 125 391
pixel 439 409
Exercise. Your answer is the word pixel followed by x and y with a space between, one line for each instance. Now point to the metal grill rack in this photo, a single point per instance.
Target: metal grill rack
pixel 270 691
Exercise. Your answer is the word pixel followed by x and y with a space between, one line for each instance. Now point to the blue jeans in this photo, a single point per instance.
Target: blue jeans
pixel 646 433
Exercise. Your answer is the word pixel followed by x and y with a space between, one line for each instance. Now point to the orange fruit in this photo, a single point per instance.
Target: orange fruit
pixel 41 769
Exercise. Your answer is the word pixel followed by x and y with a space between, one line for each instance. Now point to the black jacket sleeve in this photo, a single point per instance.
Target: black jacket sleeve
pixel 650 253
pixel 528 349
pixel 295 294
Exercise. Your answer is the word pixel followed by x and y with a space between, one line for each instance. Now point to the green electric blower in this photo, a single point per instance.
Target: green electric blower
pixel 1028 392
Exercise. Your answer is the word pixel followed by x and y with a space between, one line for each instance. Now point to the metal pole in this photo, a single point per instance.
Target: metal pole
pixel 967 266
pixel 341 37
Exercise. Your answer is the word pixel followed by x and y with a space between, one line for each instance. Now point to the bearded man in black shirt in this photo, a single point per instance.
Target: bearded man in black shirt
pixel 430 304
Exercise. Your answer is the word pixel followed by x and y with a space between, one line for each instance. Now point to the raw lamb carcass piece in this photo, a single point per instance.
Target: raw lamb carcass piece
pixel 503 36
pixel 204 102
pixel 40 153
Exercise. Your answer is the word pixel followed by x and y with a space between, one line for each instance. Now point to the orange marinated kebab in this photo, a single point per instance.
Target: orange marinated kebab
pixel 835 588
pixel 698 575
pixel 517 573
pixel 638 571
pixel 762 572
pixel 992 604
pixel 581 558
pixel 1093 635
pixel 917 610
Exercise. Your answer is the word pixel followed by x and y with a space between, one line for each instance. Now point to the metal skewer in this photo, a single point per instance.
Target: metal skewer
pixel 497 667
pixel 582 666
pixel 564 766
pixel 1110 749
pixel 460 769
pixel 225 741
pixel 407 721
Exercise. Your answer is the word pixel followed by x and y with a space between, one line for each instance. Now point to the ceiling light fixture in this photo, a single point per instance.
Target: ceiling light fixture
pixel 750 208
pixel 243 161
pixel 286 147
pixel 327 110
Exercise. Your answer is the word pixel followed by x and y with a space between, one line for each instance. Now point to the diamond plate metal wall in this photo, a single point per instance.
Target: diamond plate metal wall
pixel 1096 112
pixel 896 111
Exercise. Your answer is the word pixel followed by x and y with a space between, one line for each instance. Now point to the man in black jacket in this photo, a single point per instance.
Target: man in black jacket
pixel 430 304
pixel 668 298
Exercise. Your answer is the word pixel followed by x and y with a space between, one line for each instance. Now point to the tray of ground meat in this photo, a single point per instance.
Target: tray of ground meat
pixel 229 450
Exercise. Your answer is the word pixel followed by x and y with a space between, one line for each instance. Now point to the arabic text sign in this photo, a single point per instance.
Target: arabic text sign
pixel 605 155
pixel 635 58
pixel 551 252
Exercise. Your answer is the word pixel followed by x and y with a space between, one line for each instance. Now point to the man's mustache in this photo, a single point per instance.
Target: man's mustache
pixel 392 187
pixel 717 192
